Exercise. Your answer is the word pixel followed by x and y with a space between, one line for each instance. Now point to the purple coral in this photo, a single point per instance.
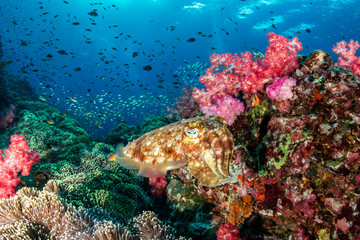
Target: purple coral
pixel 7 118
pixel 280 89
pixel 184 107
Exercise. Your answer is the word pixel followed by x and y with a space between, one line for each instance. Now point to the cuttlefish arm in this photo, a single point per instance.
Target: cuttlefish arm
pixel 200 170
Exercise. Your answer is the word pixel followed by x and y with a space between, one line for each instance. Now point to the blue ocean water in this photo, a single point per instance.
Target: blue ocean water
pixel 105 62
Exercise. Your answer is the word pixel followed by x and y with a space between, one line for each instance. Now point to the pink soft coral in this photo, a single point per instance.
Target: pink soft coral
pixel 228 108
pixel 346 56
pixel 229 74
pixel 158 185
pixel 280 89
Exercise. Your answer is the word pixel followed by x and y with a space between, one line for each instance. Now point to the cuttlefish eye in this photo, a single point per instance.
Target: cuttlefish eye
pixel 192 132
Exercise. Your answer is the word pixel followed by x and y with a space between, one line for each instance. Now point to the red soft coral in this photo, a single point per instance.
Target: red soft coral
pixel 158 185
pixel 17 158
pixel 227 232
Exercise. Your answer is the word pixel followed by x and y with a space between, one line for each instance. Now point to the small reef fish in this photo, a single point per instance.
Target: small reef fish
pixel 73 99
pixel 255 101
pixel 112 157
pixel 204 143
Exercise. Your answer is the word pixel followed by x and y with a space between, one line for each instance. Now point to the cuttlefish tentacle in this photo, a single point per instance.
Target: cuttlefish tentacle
pixel 200 170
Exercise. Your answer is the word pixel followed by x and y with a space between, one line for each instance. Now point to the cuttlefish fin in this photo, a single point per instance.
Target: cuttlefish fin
pixel 124 161
pixel 149 170
pixel 160 169
pixel 152 172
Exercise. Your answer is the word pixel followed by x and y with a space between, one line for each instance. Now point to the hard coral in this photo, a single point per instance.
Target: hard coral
pixel 96 182
pixel 34 214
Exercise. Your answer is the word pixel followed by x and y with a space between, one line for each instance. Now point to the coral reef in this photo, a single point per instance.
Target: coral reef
pixel 69 155
pixel 96 182
pixel 297 159
pixel 124 133
pixel 295 162
pixel 33 214
pixel 46 129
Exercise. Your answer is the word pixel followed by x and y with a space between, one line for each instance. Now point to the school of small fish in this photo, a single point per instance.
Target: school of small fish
pixel 127 78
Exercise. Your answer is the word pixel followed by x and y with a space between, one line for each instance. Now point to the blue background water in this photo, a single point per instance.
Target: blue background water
pixel 106 90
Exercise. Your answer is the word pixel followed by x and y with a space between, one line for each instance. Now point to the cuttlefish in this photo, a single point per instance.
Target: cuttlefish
pixel 204 143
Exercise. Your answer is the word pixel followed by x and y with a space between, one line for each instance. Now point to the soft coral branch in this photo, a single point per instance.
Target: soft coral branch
pixel 346 56
pixel 230 74
pixel 17 158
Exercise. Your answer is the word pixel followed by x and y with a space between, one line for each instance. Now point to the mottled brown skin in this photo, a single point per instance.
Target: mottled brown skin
pixel 210 152
pixel 203 142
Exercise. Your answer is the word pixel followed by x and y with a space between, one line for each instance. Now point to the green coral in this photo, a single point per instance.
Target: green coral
pixel 258 111
pixel 151 123
pixel 71 154
pixel 122 133
pixel 97 182
pixel 125 133
pixel 45 128
pixel 252 120
pixel 286 150
pixel 110 192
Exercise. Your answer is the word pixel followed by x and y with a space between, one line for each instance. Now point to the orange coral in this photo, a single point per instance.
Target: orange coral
pixel 240 210
pixel 316 97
